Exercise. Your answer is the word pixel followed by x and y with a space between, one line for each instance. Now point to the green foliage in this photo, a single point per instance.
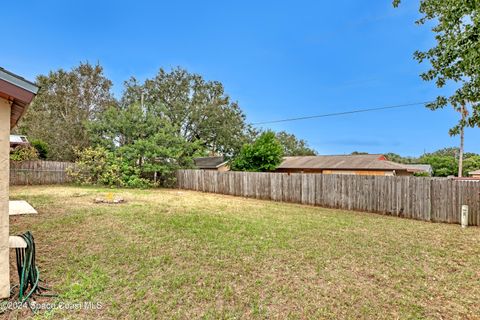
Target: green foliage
pixel 356 153
pixel 455 56
pixel 145 138
pixel 65 103
pixel 24 153
pixel 41 147
pixel 99 166
pixel 197 109
pixel 399 159
pixel 442 165
pixel 293 146
pixel 470 164
pixel 444 161
pixel 265 154
pixel 421 174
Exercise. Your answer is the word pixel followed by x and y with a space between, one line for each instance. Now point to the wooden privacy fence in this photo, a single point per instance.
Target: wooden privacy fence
pixel 39 172
pixel 429 199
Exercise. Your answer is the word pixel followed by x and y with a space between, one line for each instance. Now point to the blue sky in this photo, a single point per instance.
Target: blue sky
pixel 278 59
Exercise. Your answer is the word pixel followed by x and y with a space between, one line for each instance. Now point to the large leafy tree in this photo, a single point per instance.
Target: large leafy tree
pixel 143 137
pixel 265 154
pixel 454 58
pixel 199 110
pixel 292 146
pixel 66 102
pixel 472 163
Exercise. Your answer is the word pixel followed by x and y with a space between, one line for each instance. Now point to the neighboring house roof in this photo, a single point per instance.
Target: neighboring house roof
pixel 209 162
pixel 18 139
pixel 341 162
pixel 474 172
pixel 17 90
pixel 419 168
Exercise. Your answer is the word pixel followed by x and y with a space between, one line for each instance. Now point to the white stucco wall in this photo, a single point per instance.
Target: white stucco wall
pixel 4 190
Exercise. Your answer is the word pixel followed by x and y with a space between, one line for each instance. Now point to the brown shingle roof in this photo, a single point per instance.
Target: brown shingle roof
pixel 342 162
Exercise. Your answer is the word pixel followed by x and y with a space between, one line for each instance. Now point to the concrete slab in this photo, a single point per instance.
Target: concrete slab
pixel 17 207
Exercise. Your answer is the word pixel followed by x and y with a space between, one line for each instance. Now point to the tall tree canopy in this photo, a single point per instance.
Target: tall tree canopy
pixel 66 101
pixel 144 138
pixel 454 58
pixel 198 109
pixel 292 146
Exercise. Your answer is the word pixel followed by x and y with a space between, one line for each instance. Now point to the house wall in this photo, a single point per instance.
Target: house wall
pixel 219 169
pixel 5 109
pixel 360 172
pixel 223 169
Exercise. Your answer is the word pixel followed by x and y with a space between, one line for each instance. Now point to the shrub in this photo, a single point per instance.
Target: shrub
pixel 24 153
pixel 100 166
pixel 265 154
pixel 41 147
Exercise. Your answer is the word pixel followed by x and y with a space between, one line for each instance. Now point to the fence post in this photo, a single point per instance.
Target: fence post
pixel 464 217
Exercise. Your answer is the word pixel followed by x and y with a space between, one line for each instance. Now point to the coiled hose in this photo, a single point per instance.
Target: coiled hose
pixel 28 273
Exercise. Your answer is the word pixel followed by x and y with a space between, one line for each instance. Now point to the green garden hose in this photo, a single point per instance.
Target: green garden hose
pixel 28 273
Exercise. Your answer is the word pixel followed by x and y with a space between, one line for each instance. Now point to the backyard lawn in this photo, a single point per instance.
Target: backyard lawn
pixel 181 254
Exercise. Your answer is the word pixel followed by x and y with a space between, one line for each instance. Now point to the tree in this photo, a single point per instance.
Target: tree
pixel 66 102
pixel 292 146
pixel 144 138
pixel 454 58
pixel 472 163
pixel 357 153
pixel 198 109
pixel 399 159
pixel 265 154
pixel 442 165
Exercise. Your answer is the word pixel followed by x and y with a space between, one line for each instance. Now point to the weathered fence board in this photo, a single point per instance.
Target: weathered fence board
pixel 429 199
pixel 39 172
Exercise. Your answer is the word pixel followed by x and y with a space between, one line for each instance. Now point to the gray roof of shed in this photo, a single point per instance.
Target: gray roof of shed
pixel 209 162
pixel 419 167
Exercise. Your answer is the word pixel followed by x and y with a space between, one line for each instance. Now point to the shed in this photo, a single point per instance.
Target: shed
pixel 16 93
pixel 212 163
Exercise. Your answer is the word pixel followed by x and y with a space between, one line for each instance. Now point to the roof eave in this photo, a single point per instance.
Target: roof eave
pixel 19 92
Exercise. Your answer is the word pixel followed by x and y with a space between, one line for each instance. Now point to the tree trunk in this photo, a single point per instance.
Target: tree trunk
pixel 462 138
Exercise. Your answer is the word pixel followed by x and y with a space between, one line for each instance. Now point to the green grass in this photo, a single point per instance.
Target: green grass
pixel 179 254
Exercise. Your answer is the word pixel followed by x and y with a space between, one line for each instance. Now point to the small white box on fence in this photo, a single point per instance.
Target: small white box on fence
pixel 464 216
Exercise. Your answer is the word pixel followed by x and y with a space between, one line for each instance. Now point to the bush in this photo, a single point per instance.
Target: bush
pixel 100 166
pixel 24 153
pixel 421 174
pixel 41 147
pixel 265 154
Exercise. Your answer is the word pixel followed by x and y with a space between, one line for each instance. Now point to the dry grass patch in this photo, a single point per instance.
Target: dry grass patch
pixel 180 254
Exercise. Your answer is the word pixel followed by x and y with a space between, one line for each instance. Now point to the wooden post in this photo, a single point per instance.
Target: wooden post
pixel 464 218
pixel 463 110
pixel 5 107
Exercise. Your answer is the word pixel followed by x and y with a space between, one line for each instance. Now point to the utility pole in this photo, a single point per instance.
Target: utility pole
pixel 462 139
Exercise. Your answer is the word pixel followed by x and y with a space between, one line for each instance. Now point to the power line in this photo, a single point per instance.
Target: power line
pixel 344 113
